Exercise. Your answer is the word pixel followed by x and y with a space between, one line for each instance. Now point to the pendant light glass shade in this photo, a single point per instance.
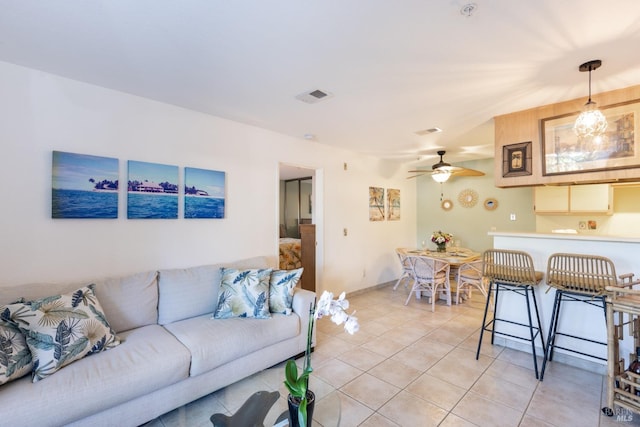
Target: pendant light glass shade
pixel 591 122
pixel 440 176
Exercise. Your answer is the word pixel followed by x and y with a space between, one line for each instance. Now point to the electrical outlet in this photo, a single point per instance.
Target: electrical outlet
pixel 512 217
pixel 344 231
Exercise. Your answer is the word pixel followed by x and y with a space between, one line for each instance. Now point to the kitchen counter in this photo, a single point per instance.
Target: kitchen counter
pixel 579 319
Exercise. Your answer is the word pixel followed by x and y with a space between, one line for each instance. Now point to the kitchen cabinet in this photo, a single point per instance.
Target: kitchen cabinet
pixel 574 199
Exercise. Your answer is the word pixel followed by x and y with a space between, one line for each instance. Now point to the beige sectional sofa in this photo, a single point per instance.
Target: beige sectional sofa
pixel 172 350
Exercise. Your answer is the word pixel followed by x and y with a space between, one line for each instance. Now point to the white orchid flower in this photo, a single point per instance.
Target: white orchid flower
pixel 351 325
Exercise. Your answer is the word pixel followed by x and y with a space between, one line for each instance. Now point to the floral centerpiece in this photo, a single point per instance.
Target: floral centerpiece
pixel 298 385
pixel 441 239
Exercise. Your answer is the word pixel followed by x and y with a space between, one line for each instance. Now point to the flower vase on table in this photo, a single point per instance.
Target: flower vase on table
pixel 301 400
pixel 441 239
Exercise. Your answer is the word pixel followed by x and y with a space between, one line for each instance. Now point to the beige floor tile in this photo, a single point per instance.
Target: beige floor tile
pixel 453 420
pixel 529 421
pixel 383 347
pixel 353 413
pixel 471 343
pixel 505 392
pixel 396 373
pixel 484 412
pixel 520 358
pixel 361 358
pixel 516 374
pixel 371 391
pixel 560 405
pixel 460 368
pixel 406 409
pixel 437 391
pixel 377 420
pixel 336 372
pixel 449 335
pixel 404 335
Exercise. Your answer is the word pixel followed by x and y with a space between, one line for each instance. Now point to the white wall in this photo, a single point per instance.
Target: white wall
pixel 42 112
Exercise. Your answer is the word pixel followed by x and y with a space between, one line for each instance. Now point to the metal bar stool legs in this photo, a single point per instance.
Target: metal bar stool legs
pixel 535 330
pixel 555 320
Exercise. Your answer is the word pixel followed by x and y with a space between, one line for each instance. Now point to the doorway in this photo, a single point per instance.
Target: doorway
pixel 298 221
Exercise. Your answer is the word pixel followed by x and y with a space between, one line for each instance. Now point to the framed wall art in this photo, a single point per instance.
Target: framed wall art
pixel 376 204
pixel 393 204
pixel 516 159
pixel 84 186
pixel 564 152
pixel 204 193
pixel 152 191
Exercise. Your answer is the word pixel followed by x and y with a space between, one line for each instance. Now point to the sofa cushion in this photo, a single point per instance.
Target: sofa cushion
pixel 243 293
pixel 191 292
pixel 214 342
pixel 128 301
pixel 149 359
pixel 61 329
pixel 281 286
pixel 15 357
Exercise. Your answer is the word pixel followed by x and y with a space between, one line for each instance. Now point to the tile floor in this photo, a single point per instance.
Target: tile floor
pixel 408 366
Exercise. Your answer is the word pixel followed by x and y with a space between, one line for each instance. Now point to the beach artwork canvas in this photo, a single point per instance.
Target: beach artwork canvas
pixel 376 204
pixel 84 186
pixel 393 204
pixel 152 191
pixel 204 193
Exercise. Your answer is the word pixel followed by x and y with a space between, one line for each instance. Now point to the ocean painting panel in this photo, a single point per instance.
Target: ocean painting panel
pixel 204 193
pixel 152 191
pixel 84 186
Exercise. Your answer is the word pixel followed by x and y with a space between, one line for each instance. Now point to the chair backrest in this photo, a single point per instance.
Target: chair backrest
pixel 584 274
pixel 509 267
pixel 427 268
pixel 471 270
pixel 402 256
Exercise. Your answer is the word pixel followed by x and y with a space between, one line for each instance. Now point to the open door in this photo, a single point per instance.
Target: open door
pixel 297 222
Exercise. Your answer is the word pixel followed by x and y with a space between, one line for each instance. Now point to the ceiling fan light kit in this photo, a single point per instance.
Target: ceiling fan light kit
pixel 591 122
pixel 442 171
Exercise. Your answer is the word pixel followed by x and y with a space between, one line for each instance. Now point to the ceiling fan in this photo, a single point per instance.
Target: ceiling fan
pixel 442 171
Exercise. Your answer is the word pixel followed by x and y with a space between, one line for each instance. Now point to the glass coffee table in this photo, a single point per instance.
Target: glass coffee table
pixel 255 409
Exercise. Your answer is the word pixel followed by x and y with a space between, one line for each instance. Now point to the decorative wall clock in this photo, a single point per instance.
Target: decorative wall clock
pixel 468 198
pixel 446 204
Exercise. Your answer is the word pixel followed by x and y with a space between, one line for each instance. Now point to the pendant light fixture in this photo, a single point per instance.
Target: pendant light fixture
pixel 591 122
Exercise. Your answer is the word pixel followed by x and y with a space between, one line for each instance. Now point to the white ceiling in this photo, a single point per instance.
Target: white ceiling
pixel 393 67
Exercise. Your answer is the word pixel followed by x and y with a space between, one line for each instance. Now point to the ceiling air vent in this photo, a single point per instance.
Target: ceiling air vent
pixel 313 96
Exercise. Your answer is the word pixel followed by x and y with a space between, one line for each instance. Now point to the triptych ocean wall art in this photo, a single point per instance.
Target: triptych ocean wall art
pixel 152 191
pixel 204 192
pixel 86 186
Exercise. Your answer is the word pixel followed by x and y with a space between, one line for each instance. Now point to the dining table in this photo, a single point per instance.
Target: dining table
pixel 455 256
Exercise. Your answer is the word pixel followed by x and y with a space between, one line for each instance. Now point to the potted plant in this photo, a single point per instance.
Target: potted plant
pixel 301 400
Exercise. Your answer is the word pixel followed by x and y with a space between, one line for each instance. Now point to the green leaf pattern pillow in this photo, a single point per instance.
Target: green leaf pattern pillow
pixel 62 329
pixel 281 290
pixel 243 293
pixel 15 357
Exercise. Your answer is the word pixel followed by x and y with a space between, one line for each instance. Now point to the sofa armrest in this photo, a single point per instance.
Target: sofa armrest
pixel 302 301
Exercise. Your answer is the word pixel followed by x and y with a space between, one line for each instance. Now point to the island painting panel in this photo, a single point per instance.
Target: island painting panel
pixel 84 186
pixel 204 193
pixel 152 191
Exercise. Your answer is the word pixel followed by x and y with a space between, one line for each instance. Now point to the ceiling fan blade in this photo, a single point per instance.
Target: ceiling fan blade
pixel 415 176
pixel 419 171
pixel 467 172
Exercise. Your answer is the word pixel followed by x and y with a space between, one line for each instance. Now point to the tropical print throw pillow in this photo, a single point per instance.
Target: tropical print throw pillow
pixel 15 357
pixel 243 293
pixel 281 289
pixel 62 329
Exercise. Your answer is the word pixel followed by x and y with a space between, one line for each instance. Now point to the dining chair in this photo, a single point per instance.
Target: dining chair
pixel 407 272
pixel 578 278
pixel 429 274
pixel 511 271
pixel 468 276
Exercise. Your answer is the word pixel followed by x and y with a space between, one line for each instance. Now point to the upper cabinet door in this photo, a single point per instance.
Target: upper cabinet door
pixel 551 199
pixel 593 198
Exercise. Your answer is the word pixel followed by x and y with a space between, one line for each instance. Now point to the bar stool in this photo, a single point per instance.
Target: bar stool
pixel 513 271
pixel 576 278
